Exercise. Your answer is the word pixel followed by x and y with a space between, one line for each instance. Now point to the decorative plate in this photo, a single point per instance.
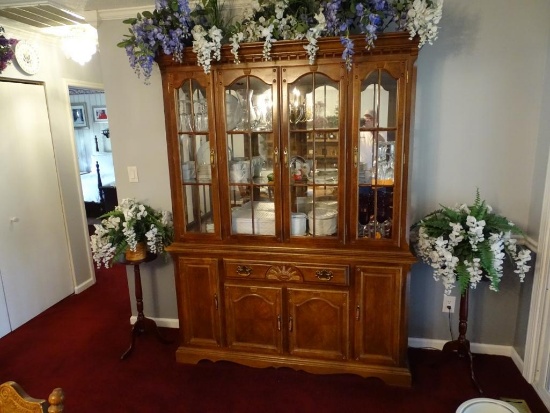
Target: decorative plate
pixel 233 109
pixel 27 57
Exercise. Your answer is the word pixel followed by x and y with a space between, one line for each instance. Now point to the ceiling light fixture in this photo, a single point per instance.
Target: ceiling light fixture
pixel 80 43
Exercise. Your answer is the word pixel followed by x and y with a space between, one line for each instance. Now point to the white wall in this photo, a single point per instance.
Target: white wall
pixel 477 124
pixel 55 72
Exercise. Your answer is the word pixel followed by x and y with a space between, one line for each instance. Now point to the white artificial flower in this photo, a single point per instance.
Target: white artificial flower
pixel 475 248
pixel 422 20
pixel 124 228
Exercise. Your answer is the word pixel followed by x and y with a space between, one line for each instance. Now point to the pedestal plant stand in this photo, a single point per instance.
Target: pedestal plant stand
pixel 142 323
pixel 461 346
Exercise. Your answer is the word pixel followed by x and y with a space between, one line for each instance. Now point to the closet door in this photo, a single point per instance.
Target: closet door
pixel 34 253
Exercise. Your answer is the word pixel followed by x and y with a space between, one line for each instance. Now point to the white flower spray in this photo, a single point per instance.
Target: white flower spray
pixel 467 243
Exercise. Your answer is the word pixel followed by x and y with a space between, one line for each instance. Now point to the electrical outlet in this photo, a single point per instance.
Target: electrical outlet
pixel 449 303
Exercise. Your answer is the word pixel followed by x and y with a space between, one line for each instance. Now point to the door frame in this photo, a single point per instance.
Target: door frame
pixel 537 348
pixel 67 83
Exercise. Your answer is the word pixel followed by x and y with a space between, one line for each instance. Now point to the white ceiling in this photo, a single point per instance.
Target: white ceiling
pixel 85 5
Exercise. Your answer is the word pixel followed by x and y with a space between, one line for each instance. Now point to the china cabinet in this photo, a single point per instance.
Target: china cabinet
pixel 289 189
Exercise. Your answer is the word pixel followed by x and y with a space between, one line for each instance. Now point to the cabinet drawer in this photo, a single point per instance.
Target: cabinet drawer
pixel 333 274
pixel 287 272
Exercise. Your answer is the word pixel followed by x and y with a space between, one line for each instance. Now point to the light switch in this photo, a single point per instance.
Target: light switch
pixel 133 174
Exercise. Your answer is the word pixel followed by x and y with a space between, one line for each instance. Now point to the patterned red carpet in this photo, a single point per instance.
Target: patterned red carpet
pixel 77 345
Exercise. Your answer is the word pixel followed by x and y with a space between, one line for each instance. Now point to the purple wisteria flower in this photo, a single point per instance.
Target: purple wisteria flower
pixel 167 29
pixel 6 50
pixel 173 25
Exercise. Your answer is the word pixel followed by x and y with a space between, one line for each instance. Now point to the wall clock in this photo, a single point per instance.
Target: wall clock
pixel 27 57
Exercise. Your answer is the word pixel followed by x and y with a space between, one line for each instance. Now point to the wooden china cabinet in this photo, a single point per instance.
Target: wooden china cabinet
pixel 289 191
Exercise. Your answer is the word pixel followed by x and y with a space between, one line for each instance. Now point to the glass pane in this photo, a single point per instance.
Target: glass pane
pixel 192 107
pixel 375 212
pixel 195 157
pixel 198 208
pixel 378 100
pixel 313 102
pixel 376 147
pixel 249 138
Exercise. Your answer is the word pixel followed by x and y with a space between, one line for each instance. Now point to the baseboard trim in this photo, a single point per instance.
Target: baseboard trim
pixel 518 361
pixel 161 322
pixel 479 348
pixel 84 286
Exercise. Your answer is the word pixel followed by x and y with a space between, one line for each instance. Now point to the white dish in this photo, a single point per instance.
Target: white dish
pixel 326 222
pixel 233 109
pixel 486 405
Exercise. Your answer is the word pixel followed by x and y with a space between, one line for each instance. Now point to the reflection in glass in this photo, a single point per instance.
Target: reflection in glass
pixel 195 157
pixel 192 107
pixel 378 99
pixel 377 155
pixel 249 105
pixel 313 102
pixel 249 139
pixel 198 208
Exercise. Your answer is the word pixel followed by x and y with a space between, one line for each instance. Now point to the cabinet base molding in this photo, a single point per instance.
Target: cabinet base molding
pixel 395 376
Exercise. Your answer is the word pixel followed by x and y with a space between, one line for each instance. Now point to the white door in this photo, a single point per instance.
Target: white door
pixel 5 327
pixel 34 253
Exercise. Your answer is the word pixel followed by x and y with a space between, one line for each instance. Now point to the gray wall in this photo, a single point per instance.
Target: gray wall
pixel 478 123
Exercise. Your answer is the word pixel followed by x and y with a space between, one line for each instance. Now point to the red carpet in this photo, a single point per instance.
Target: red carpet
pixel 77 345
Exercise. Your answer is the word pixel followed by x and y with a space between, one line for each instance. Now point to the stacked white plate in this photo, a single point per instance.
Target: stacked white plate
pixel 325 219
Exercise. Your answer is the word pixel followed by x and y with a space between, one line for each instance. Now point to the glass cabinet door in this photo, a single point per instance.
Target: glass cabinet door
pixel 312 155
pixel 377 149
pixel 251 154
pixel 196 155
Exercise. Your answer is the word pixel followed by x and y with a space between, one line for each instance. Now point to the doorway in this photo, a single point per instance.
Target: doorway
pixel 94 152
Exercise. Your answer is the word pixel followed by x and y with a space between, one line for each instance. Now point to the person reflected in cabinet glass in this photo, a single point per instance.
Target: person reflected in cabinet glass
pixel 366 144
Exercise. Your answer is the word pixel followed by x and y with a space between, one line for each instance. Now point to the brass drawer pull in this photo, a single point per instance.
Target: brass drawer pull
pixel 290 326
pixel 244 270
pixel 324 275
pixel 279 322
pixel 216 301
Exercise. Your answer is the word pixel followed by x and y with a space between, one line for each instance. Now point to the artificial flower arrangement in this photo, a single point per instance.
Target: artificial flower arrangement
pixel 127 225
pixel 467 243
pixel 6 50
pixel 172 26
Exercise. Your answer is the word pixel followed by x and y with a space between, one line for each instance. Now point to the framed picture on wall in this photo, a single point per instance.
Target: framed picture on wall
pixel 100 114
pixel 80 117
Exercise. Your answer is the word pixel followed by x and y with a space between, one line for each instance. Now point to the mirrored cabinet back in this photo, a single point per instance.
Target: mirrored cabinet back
pixel 289 194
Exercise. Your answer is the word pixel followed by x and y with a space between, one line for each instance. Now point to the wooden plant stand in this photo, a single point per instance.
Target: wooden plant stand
pixel 142 323
pixel 461 346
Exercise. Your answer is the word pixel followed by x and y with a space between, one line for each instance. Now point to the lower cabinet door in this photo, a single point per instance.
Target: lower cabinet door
pixel 379 315
pixel 318 323
pixel 253 317
pixel 199 303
